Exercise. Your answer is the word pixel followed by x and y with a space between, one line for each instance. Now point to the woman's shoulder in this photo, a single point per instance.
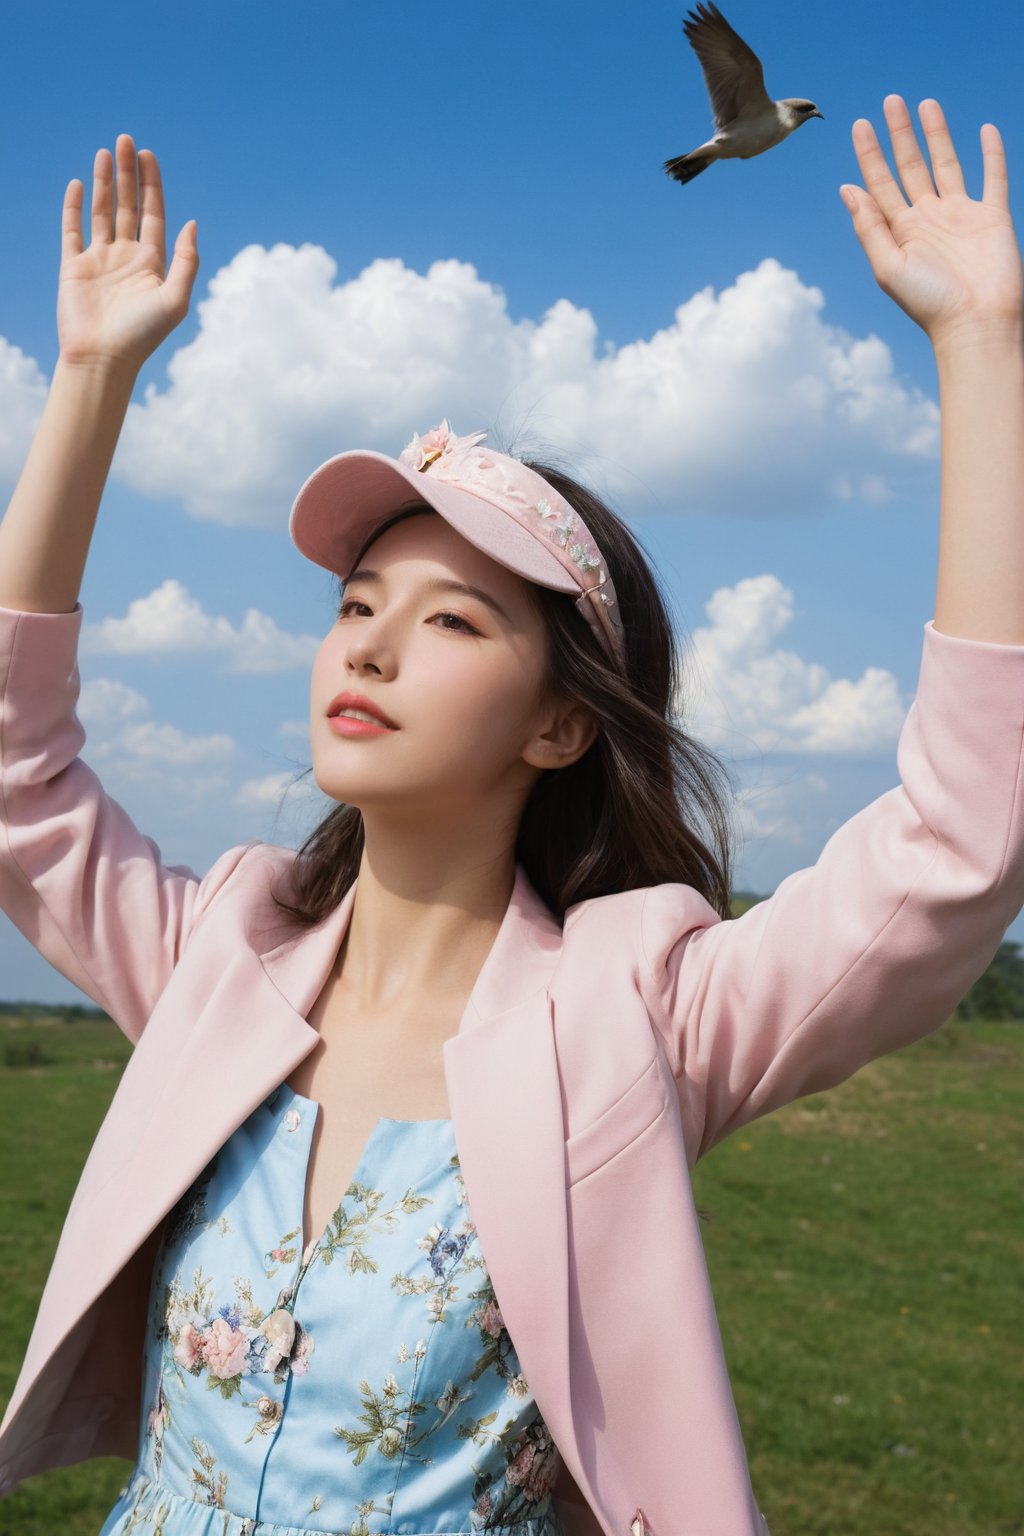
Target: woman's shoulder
pixel 243 876
pixel 655 914
pixel 253 862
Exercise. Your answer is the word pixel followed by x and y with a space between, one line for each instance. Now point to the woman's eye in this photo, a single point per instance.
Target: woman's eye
pixel 354 602
pixel 459 620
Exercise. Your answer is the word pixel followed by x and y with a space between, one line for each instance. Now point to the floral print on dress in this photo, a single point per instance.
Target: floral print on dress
pixel 365 1383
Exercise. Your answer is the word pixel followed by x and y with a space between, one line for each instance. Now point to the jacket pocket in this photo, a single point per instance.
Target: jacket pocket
pixel 632 1113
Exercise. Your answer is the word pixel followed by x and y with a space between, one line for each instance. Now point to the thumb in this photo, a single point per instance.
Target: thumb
pixel 182 272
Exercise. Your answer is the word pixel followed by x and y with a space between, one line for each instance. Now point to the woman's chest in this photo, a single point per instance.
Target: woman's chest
pixel 363 1068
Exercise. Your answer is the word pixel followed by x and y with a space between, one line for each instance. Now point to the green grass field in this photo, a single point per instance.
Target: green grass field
pixel 866 1251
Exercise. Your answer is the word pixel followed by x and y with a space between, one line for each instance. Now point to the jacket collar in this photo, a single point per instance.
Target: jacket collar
pixel 519 962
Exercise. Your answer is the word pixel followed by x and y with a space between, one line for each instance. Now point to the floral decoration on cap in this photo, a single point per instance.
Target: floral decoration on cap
pixel 433 445
pixel 512 486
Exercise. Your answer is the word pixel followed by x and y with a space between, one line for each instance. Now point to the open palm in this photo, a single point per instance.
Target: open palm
pixel 114 301
pixel 945 258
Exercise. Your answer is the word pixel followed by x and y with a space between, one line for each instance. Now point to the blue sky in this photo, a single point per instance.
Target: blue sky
pixel 408 212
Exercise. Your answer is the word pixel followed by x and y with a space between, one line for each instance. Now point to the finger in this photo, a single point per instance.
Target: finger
pixel 71 221
pixel 873 232
pixel 914 174
pixel 949 178
pixel 182 272
pixel 126 220
pixel 874 168
pixel 996 190
pixel 153 226
pixel 102 198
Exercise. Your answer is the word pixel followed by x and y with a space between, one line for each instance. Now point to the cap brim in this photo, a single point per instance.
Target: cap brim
pixel 339 507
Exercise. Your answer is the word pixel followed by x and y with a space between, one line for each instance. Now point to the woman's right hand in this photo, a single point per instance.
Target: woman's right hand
pixel 114 304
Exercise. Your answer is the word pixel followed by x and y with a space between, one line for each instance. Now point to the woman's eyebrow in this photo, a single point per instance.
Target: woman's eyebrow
pixel 437 584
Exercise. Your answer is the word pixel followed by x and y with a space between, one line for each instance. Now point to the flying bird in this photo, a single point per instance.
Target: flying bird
pixel 747 121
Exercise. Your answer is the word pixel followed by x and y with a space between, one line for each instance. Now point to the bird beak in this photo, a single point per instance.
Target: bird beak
pixel 816 113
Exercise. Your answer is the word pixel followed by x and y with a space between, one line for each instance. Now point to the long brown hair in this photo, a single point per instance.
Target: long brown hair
pixel 645 804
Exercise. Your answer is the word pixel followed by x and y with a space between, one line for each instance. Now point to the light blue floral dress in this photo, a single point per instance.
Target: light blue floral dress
pixel 365 1385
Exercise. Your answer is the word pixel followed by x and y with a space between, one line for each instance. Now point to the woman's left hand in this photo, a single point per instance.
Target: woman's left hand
pixel 951 263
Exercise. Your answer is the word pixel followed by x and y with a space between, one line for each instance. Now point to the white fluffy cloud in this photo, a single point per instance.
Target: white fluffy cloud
pixel 274 788
pixel 745 692
pixel 23 391
pixel 166 744
pixel 282 807
pixel 104 703
pixel 169 619
pixel 109 711
pixel 747 400
pixel 772 813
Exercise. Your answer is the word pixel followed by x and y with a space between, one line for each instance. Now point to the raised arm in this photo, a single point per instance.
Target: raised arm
pixel 114 307
pixel 873 946
pixel 953 265
pixel 83 884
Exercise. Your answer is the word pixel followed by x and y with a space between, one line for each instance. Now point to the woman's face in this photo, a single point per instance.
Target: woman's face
pixel 463 679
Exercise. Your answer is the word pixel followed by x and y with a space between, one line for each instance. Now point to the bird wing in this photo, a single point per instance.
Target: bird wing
pixel 732 70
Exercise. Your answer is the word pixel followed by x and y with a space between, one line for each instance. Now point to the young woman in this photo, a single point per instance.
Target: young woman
pixel 493 1005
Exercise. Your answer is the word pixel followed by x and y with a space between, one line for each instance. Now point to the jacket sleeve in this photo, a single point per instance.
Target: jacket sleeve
pixel 77 877
pixel 875 944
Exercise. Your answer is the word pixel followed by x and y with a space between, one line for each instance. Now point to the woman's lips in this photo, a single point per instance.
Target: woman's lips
pixel 344 725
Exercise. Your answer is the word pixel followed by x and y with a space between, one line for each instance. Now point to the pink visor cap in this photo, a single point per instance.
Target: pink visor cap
pixel 496 503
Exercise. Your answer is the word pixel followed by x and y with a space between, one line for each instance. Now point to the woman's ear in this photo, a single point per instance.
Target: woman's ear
pixel 565 733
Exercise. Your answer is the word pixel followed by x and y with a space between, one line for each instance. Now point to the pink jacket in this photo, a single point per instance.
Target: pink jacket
pixel 625 1043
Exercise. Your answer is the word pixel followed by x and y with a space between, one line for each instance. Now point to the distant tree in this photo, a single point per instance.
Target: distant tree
pixel 68 1012
pixel 999 992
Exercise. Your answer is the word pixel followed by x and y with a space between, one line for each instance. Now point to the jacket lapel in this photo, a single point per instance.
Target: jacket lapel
pixel 505 1094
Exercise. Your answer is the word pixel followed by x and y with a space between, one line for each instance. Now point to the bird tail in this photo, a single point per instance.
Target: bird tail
pixel 685 167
